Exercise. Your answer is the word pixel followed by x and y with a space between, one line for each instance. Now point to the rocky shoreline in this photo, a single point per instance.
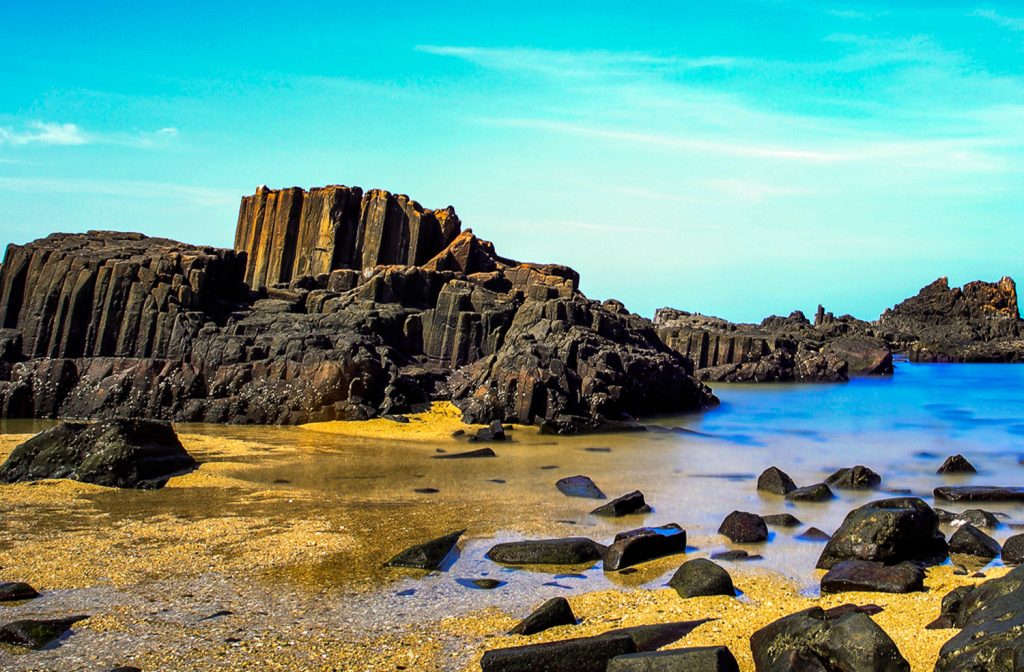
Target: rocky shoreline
pixel 343 304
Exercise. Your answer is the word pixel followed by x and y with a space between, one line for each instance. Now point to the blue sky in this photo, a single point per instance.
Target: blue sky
pixel 734 158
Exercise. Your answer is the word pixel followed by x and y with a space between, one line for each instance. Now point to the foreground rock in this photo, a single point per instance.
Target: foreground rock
pixel 979 493
pixel 811 640
pixel 643 544
pixel 429 555
pixel 624 506
pixel 742 527
pixel 969 540
pixel 1013 550
pixel 888 531
pixel 115 453
pixel 991 618
pixel 700 659
pixel 551 614
pixel 854 478
pixel 335 304
pixel 569 551
pixel 36 634
pixel 861 575
pixel 701 577
pixel 15 591
pixel 585 654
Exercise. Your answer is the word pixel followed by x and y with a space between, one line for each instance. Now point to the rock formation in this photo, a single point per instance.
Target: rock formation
pixel 335 305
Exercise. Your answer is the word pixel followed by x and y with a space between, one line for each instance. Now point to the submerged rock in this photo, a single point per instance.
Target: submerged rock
pixel 36 634
pixel 579 486
pixel 862 575
pixel 568 551
pixel 429 555
pixel 889 531
pixel 700 577
pixel 699 659
pixel 116 453
pixel 643 544
pixel 623 506
pixel 550 614
pixel 744 528
pixel 811 641
pixel 854 478
pixel 969 540
pixel 956 464
pixel 775 481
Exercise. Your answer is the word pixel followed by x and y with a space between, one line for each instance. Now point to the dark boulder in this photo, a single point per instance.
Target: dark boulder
pixel 956 464
pixel 623 506
pixel 643 544
pixel 991 618
pixel 15 590
pixel 949 608
pixel 811 641
pixel 782 520
pixel 699 659
pixel 36 634
pixel 862 575
pixel 552 613
pixel 429 555
pixel 700 577
pixel 976 517
pixel 775 481
pixel 744 528
pixel 118 453
pixel 1013 550
pixel 569 551
pixel 889 531
pixel 969 540
pixel 854 478
pixel 579 486
pixel 819 492
pixel 980 493
pixel 585 654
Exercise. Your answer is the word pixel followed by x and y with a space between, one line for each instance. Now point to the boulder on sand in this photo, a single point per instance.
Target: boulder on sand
pixel 568 551
pixel 121 453
pixel 643 544
pixel 862 575
pixel 742 527
pixel 698 659
pixel 991 618
pixel 889 531
pixel 552 613
pixel 969 540
pixel 701 577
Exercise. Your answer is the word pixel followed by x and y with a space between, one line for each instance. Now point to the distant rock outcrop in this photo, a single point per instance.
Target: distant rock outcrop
pixel 335 305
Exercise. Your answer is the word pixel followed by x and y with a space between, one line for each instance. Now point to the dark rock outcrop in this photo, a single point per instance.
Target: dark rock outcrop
pixel 811 640
pixel 888 531
pixel 335 304
pixel 991 618
pixel 115 453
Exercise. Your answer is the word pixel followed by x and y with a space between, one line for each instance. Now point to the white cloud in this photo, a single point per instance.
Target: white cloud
pixel 1011 22
pixel 66 134
pixel 199 196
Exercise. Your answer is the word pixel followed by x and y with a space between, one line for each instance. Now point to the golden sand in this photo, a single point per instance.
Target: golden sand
pixel 63 534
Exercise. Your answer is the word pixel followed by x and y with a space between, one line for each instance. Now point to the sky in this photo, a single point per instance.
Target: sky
pixel 737 158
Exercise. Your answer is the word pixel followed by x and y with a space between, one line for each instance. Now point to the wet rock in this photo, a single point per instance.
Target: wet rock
pixel 579 486
pixel 969 540
pixel 775 481
pixel 585 654
pixel 643 544
pixel 811 641
pixel 15 590
pixel 991 618
pixel 623 506
pixel 479 452
pixel 493 432
pixel 854 478
pixel 949 608
pixel 550 614
pixel 480 584
pixel 843 609
pixel 1013 550
pixel 36 634
pixel 426 491
pixel 735 555
pixel 814 534
pixel 699 659
pixel 819 492
pixel 889 531
pixel 700 577
pixel 654 637
pixel 956 464
pixel 568 551
pixel 744 528
pixel 114 453
pixel 862 575
pixel 429 555
pixel 782 520
pixel 976 517
pixel 980 493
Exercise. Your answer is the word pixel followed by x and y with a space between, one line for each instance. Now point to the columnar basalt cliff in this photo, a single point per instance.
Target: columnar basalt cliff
pixel 335 305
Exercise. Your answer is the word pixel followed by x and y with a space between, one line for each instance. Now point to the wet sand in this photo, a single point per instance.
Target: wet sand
pixel 287 528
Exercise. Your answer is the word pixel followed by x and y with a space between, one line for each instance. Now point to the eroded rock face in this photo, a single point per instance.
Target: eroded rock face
pixel 336 304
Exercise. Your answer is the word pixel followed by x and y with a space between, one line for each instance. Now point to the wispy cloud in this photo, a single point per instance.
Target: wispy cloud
pixel 67 134
pixel 199 196
pixel 1011 22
